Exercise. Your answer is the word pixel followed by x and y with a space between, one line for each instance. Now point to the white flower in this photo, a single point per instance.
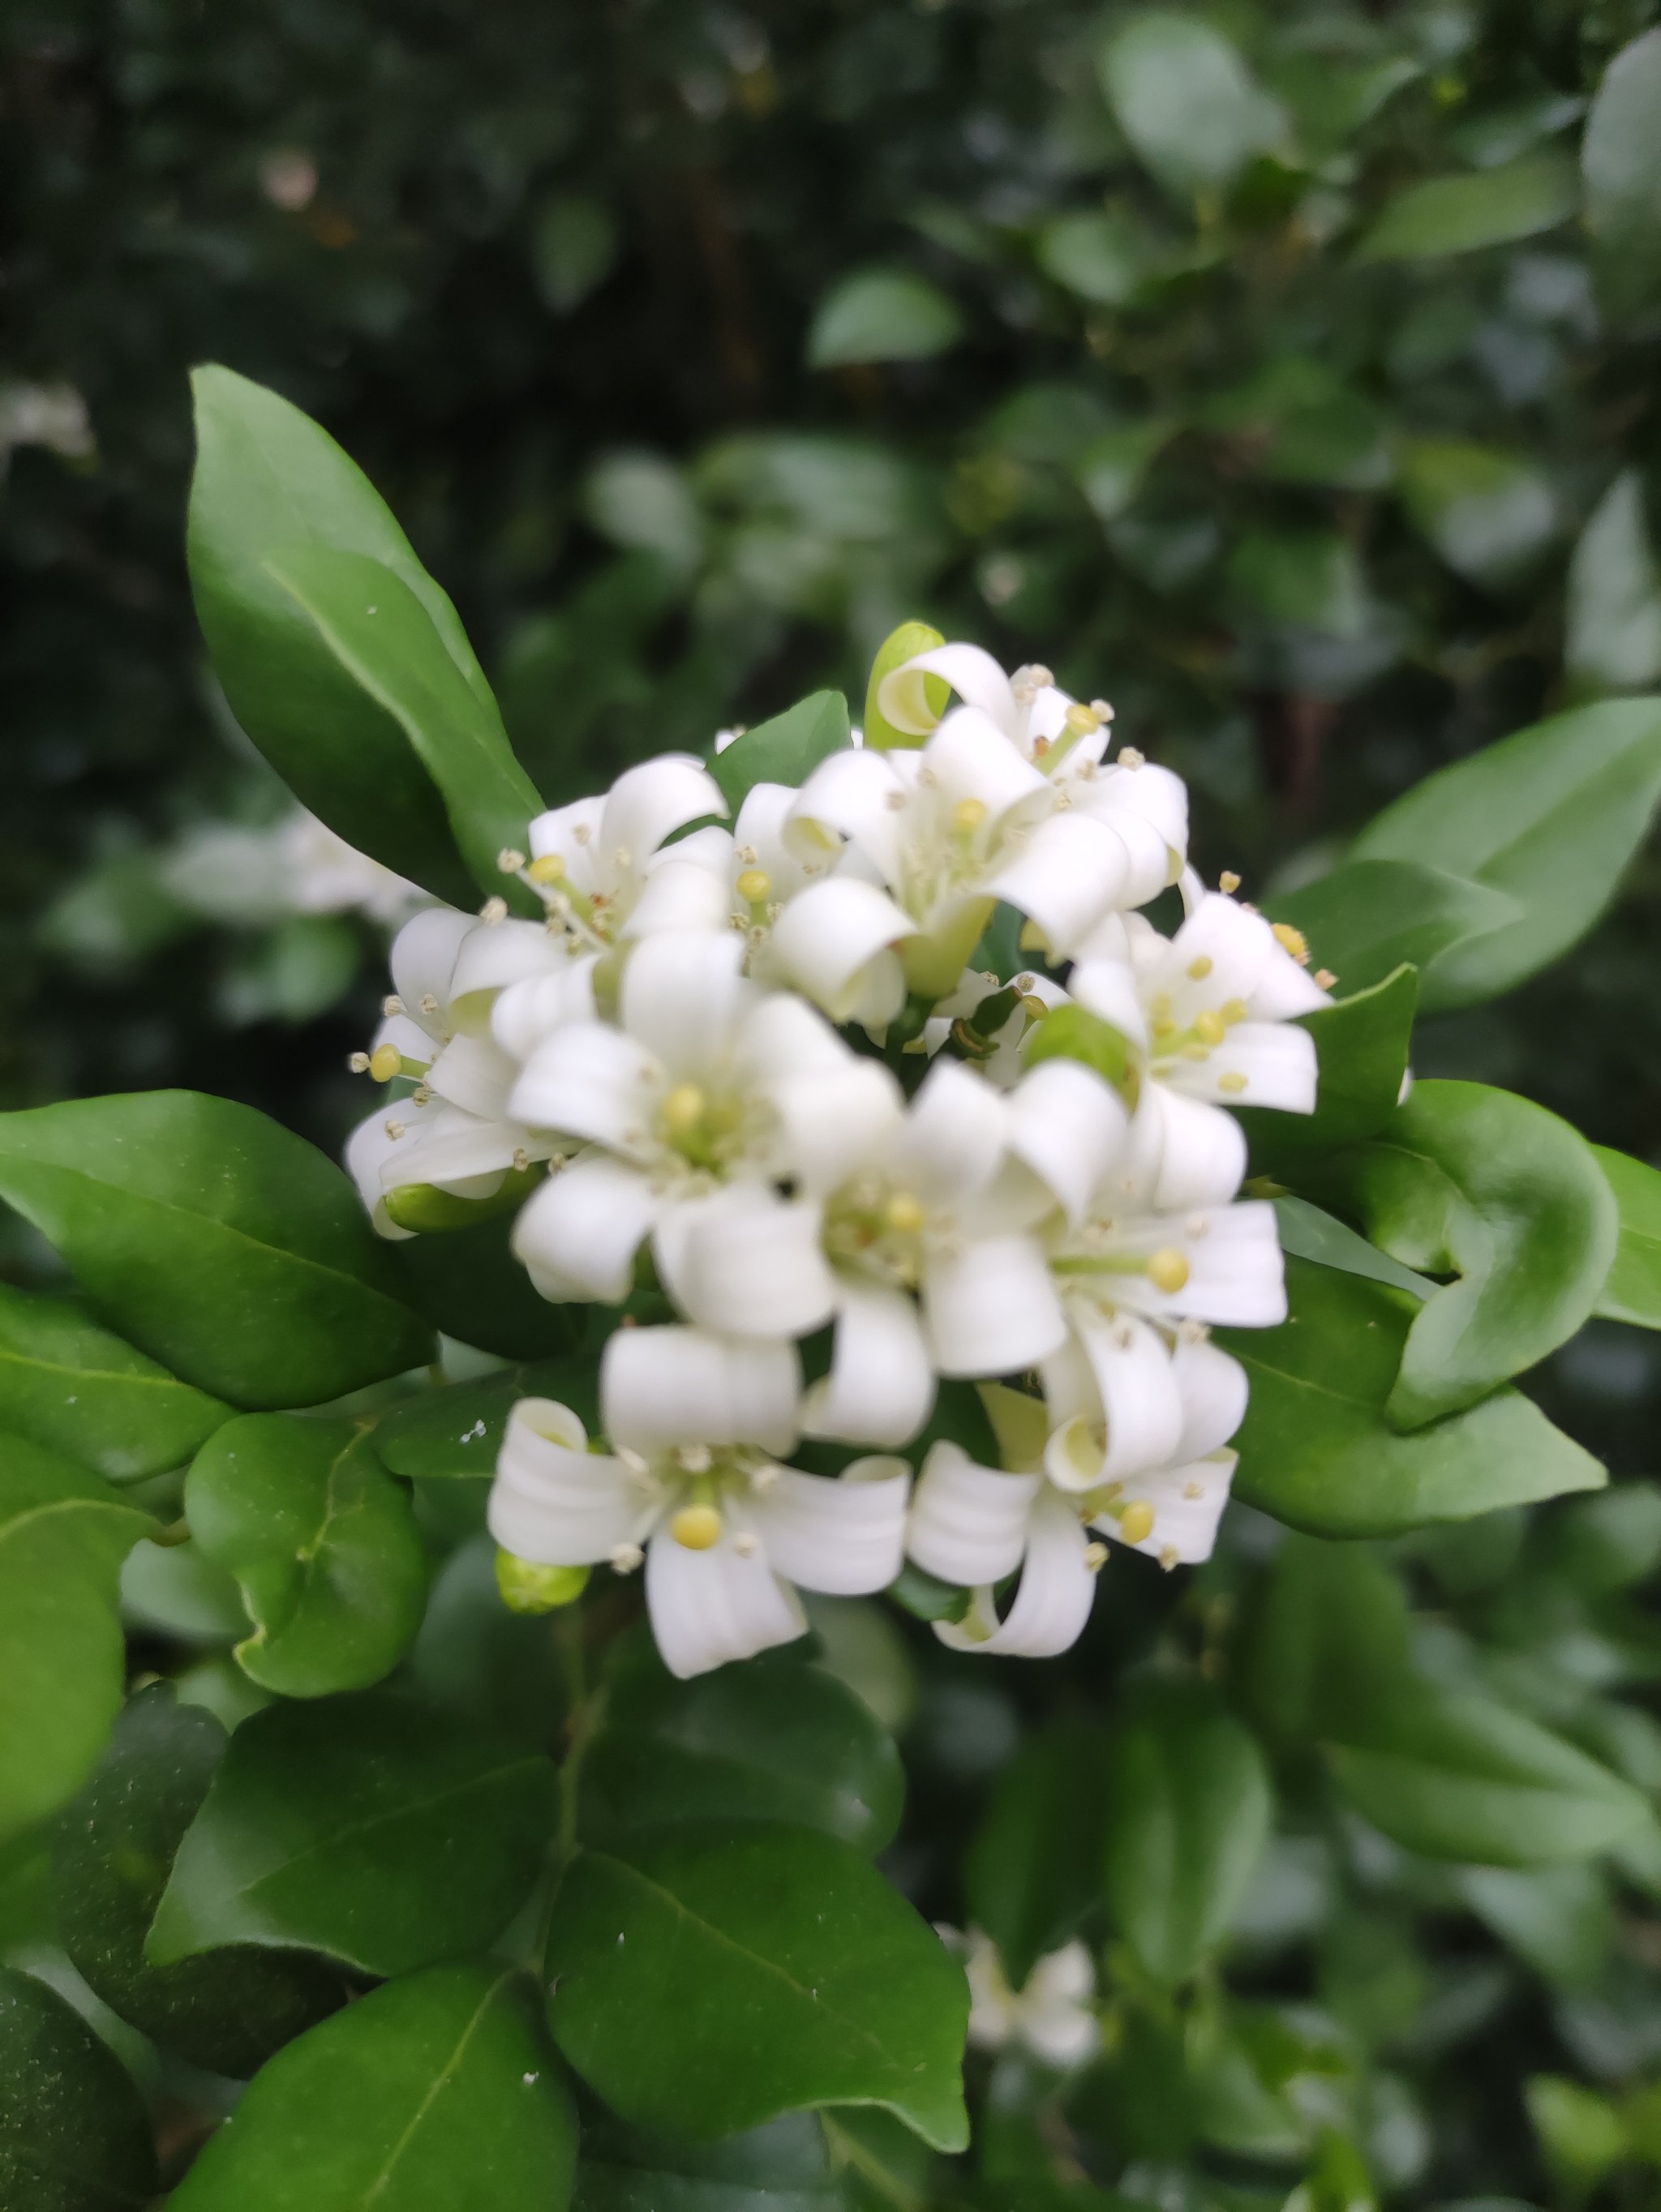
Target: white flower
pixel 693 1483
pixel 322 874
pixel 1052 2013
pixel 602 866
pixel 705 1081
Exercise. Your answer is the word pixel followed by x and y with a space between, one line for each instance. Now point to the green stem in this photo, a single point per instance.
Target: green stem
pixel 583 1708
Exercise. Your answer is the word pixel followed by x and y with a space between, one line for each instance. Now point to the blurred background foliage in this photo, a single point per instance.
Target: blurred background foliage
pixel 1287 373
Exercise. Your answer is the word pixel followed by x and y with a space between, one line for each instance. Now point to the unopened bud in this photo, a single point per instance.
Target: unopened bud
pixel 528 1586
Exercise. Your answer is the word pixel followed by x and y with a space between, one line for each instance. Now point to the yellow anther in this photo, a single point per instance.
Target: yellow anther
pixel 1234 1082
pixel 1209 1027
pixel 697 1527
pixel 1201 968
pixel 384 1062
pixel 1169 1557
pixel 1159 1007
pixel 1136 1522
pixel 393 1005
pixel 1234 1010
pixel 754 886
pixel 1194 1490
pixel 968 815
pixel 1164 1026
pixel 904 1213
pixel 1325 978
pixel 1228 881
pixel 359 1063
pixel 493 913
pixel 1082 718
pixel 1129 757
pixel 1292 940
pixel 547 868
pixel 1167 1270
pixel 1095 1557
pixel 683 1109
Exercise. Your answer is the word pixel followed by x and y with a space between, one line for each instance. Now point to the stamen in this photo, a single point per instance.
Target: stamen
pixel 385 1062
pixel 697 1527
pixel 753 886
pixel 391 1004
pixel 1136 1521
pixel 905 1214
pixel 493 913
pixel 359 1063
pixel 1228 881
pixel 510 860
pixel 1168 1270
pixel 1095 1557
pixel 746 1543
pixel 1234 1082
pixel 546 868
pixel 626 1557
pixel 1210 1027
pixel 1129 757
pixel 1290 940
pixel 1169 1557
pixel 1194 1490
pixel 1199 968
pixel 1325 978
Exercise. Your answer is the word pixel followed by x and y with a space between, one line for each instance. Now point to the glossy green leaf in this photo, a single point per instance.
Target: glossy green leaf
pixel 1631 1290
pixel 641 501
pixel 324 1546
pixel 222 1245
pixel 779 1741
pixel 1325 1636
pixel 1614 641
pixel 1191 1808
pixel 1368 917
pixel 786 750
pixel 1462 1777
pixel 74 2133
pixel 1477 1183
pixel 1032 1870
pixel 1560 1918
pixel 1311 1234
pixel 1112 469
pixel 268 480
pixel 454 1433
pixel 1551 816
pixel 1184 98
pixel 783 2167
pixel 227 2010
pixel 64 1534
pixel 708 1978
pixel 370 1828
pixel 468 1284
pixel 881 314
pixel 437 2094
pixel 386 640
pixel 1102 257
pixel 1297 422
pixel 1619 156
pixel 67 1382
pixel 1486 513
pixel 1484 207
pixel 1316 1448
pixel 1362 1046
pixel 574 244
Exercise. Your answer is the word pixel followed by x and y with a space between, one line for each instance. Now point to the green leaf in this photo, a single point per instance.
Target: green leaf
pixel 1185 99
pixel 780 1742
pixel 370 1828
pixel 881 314
pixel 438 2093
pixel 268 480
pixel 1368 918
pixel 386 640
pixel 74 2133
pixel 455 1433
pixel 1560 1918
pixel 1487 513
pixel 1614 641
pixel 643 503
pixel 708 1978
pixel 1191 1811
pixel 786 750
pixel 1361 1047
pixel 1296 421
pixel 222 1245
pixel 1300 579
pixel 783 2167
pixel 1489 207
pixel 1102 257
pixel 468 1284
pixel 227 2010
pixel 1633 1289
pixel 1316 1450
pixel 70 1384
pixel 1622 163
pixel 1494 1190
pixel 1325 1636
pixel 64 1534
pixel 573 246
pixel 1551 816
pixel 1111 469
pixel 1032 1870
pixel 1462 1777
pixel 324 1546
pixel 1314 1235
pixel 1582 2134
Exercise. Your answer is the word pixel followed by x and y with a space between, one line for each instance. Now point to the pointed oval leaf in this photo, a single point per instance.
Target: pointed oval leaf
pixel 437 2094
pixel 1361 1047
pixel 1032 1872
pixel 371 1828
pixel 881 314
pixel 1483 207
pixel 70 1384
pixel 224 1246
pixel 1619 154
pixel 227 2010
pixel 74 2133
pixel 1551 816
pixel 1367 917
pixel 64 1534
pixel 1316 1450
pixel 786 750
pixel 708 1978
pixel 1631 1290
pixel 1613 641
pixel 1184 98
pixel 783 2167
pixel 324 1546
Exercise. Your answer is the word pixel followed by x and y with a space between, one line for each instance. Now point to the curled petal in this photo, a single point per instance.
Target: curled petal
pixel 954 1137
pixel 460 1153
pixel 844 1534
pixel 968 1522
pixel 969 757
pixel 679 894
pixel 970 671
pixel 1257 1064
pixel 1066 1124
pixel 880 1388
pixel 1141 1407
pixel 648 803
pixel 1052 1604
pixel 590 1080
pixel 424 958
pixel 1106 987
pixel 1187 1503
pixel 663 1387
pixel 1067 875
pixel 1236 1274
pixel 474 1074
pixel 527 1013
pixel 490 959
pixel 848 796
pixel 584 1226
pixel 1214 1392
pixel 709 1608
pixel 372 1151
pixel 746 1261
pixel 555 1502
pixel 832 1124
pixel 1182 1153
pixel 989 1307
pixel 682 997
pixel 827 936
pixel 573 832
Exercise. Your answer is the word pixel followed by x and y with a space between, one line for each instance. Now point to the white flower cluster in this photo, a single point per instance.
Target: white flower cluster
pixel 754 1069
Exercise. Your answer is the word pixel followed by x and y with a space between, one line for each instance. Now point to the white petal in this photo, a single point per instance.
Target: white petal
pixel 370 1150
pixel 954 1137
pixel 648 803
pixel 490 959
pixel 1214 1393
pixel 1108 988
pixel 845 1535
pixel 474 1074
pixel 1154 793
pixel 663 1387
pixel 1257 1064
pixel 1053 1603
pixel 1067 875
pixel 1066 1124
pixel 460 1153
pixel 833 1124
pixel 1193 1153
pixel 1141 1407
pixel 848 795
pixel 1236 1275
pixel 969 756
pixel 1053 2009
pixel 679 894
pixel 529 1014
pixel 585 1225
pixel 760 829
pixel 553 1500
pixel 1188 1504
pixel 826 937
pixel 682 998
pixel 708 1608
pixel 968 1522
pixel 573 832
pixel 973 674
pixel 424 958
pixel 747 1262
pixel 590 1080
pixel 880 1388
pixel 989 1308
